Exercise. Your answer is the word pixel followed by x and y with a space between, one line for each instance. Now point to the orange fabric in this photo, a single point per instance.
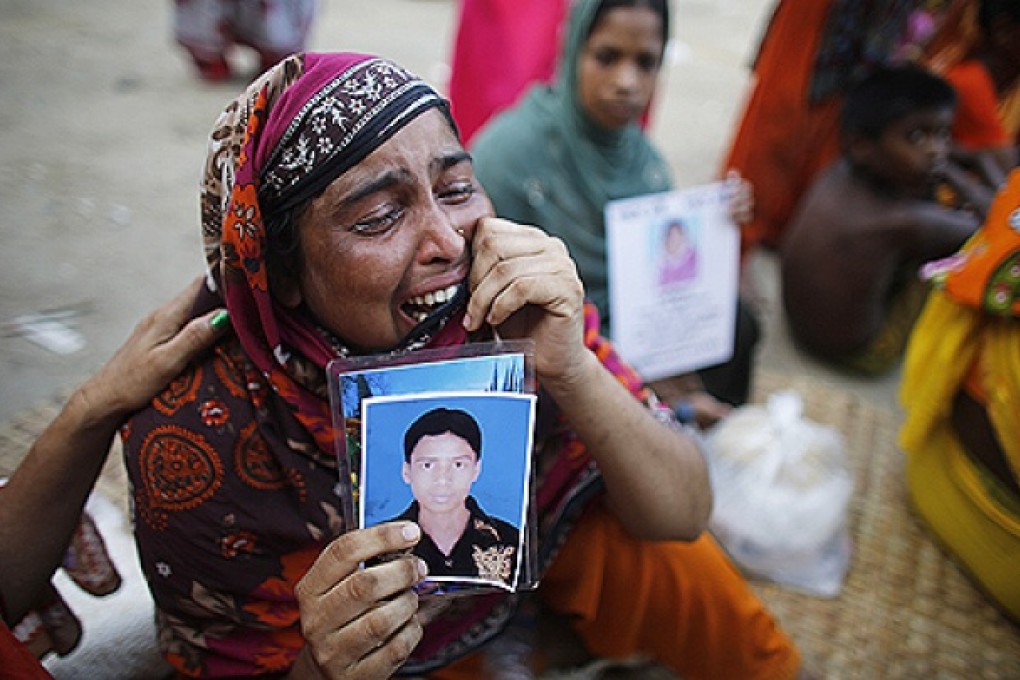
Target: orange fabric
pixel 683 604
pixel 977 124
pixel 955 36
pixel 782 142
pixel 975 279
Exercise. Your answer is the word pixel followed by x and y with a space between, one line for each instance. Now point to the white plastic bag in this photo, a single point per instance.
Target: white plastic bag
pixel 782 490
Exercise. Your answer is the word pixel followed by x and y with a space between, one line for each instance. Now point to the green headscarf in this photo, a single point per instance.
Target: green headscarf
pixel 545 162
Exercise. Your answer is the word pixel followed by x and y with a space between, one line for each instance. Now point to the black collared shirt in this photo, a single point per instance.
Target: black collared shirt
pixel 487 549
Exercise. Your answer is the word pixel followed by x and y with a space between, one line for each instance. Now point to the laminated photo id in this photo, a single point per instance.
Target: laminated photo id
pixel 444 438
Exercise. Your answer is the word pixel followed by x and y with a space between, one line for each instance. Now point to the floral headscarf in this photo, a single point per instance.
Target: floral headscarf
pixel 295 130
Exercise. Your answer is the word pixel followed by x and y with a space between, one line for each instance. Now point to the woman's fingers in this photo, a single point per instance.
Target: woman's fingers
pixel 384 660
pixel 362 620
pixel 516 265
pixel 372 645
pixel 524 282
pixel 343 557
pixel 741 193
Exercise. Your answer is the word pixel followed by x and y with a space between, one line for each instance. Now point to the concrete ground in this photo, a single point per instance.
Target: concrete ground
pixel 102 137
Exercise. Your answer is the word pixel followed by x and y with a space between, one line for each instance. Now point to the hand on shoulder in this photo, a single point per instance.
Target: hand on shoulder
pixel 158 349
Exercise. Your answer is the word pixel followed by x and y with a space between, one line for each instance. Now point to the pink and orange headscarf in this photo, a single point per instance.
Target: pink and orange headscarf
pixel 289 135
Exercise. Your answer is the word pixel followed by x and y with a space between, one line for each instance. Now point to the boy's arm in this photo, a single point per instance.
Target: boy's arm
pixel 928 230
pixel 982 164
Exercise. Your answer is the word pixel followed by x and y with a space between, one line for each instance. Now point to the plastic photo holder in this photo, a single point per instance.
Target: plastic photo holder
pixel 376 400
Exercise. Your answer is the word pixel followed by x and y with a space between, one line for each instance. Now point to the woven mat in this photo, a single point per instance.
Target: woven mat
pixel 906 609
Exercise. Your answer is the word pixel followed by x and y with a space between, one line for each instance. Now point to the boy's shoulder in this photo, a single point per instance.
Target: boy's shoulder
pixel 851 193
pixel 833 193
pixel 839 205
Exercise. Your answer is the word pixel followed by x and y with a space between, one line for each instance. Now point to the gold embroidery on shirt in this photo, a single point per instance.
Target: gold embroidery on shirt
pixel 486 528
pixel 495 562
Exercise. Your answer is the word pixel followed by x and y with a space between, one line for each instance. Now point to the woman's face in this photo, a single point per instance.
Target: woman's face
pixel 676 239
pixel 380 247
pixel 618 66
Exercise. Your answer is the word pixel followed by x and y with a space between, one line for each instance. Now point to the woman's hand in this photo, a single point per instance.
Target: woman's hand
pixel 741 193
pixel 156 352
pixel 361 623
pixel 686 392
pixel 42 503
pixel 707 409
pixel 525 284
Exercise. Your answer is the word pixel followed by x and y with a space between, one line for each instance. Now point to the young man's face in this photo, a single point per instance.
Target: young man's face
pixel 441 471
pixel 912 151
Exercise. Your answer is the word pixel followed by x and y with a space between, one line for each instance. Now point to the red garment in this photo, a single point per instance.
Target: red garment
pixel 783 142
pixel 977 124
pixel 500 48
pixel 50 625
pixel 16 662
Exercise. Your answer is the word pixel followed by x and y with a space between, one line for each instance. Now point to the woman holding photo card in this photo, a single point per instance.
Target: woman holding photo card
pixel 342 217
pixel 565 150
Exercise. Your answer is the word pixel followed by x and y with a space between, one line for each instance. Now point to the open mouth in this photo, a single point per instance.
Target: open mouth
pixel 422 307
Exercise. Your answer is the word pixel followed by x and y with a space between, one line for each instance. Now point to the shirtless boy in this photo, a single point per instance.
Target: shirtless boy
pixel 850 255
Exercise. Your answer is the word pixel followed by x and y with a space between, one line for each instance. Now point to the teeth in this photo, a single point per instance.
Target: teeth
pixel 419 307
pixel 436 297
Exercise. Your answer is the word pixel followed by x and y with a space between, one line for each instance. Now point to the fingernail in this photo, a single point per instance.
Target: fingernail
pixel 467 321
pixel 423 569
pixel 410 532
pixel 221 320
